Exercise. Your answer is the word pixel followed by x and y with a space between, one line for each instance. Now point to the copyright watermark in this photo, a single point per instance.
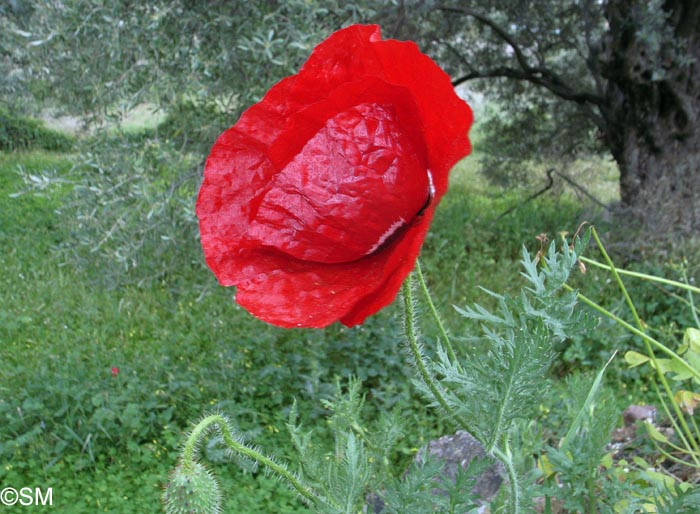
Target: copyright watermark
pixel 26 496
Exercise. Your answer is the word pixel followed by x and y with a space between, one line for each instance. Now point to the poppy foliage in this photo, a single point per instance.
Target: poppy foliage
pixel 316 202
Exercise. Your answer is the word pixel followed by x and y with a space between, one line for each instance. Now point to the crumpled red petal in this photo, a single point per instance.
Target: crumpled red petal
pixel 316 203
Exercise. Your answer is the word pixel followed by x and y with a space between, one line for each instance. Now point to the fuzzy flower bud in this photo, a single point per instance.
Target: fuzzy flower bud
pixel 192 490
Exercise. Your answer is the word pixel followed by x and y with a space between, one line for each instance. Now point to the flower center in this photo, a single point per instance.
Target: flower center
pixel 356 183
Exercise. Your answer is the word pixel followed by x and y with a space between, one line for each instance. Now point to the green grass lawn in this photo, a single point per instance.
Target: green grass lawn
pixel 105 441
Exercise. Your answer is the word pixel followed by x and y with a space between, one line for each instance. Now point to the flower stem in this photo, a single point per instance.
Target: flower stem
pixel 435 315
pixel 505 455
pixel 410 330
pixel 194 438
pixel 222 424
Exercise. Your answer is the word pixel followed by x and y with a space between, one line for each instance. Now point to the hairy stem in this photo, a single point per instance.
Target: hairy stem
pixel 436 317
pixel 222 424
pixel 501 413
pixel 506 457
pixel 591 495
pixel 428 379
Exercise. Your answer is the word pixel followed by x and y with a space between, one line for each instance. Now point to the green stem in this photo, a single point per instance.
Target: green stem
pixel 410 330
pixel 501 413
pixel 677 429
pixel 194 438
pixel 506 457
pixel 630 328
pixel 435 315
pixel 649 342
pixel 591 495
pixel 644 276
pixel 650 351
pixel 618 280
pixel 660 280
pixel 693 309
pixel 670 457
pixel 695 425
pixel 218 420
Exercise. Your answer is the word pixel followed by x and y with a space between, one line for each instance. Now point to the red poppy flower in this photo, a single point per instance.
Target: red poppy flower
pixel 316 202
pixel 115 371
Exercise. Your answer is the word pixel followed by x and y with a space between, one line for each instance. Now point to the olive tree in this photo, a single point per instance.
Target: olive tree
pixel 617 76
pixel 96 57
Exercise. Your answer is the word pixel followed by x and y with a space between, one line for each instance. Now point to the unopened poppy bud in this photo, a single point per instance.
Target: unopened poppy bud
pixel 192 490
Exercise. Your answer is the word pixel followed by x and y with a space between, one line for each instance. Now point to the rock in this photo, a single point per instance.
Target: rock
pixel 632 416
pixel 635 413
pixel 456 450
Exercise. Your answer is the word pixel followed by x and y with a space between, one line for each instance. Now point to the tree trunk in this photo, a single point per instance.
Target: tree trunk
pixel 651 60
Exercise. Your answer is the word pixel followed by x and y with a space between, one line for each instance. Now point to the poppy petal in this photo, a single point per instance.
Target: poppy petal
pixel 316 203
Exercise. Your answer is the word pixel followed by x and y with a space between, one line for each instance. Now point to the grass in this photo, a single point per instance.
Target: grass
pixel 67 422
pixel 106 441
pixel 479 229
pixel 140 118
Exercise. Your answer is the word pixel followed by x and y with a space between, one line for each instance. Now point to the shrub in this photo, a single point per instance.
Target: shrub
pixel 22 133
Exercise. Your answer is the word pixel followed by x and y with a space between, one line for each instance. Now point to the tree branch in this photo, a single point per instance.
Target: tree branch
pixel 538 75
pixel 495 27
pixel 561 90
pixel 582 98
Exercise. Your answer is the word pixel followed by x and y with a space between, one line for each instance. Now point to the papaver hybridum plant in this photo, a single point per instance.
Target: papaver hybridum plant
pixel 315 205
pixel 316 202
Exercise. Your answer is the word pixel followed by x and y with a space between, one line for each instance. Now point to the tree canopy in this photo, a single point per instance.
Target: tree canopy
pixel 96 57
pixel 617 77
